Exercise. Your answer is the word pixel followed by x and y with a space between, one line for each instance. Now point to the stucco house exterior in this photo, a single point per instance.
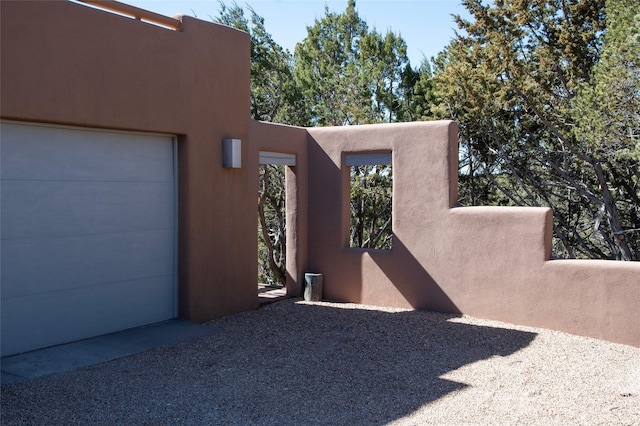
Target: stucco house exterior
pixel 117 209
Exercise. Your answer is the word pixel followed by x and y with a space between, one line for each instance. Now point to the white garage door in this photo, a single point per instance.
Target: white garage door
pixel 88 233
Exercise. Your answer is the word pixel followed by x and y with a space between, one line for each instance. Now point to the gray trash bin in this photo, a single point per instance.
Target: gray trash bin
pixel 312 287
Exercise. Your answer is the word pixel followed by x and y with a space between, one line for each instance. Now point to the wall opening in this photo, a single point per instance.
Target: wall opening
pixel 370 201
pixel 272 226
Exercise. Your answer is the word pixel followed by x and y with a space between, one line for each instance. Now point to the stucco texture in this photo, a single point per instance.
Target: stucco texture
pixel 65 63
pixel 490 262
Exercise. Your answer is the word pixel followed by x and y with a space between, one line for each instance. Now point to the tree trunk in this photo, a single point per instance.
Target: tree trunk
pixel 612 214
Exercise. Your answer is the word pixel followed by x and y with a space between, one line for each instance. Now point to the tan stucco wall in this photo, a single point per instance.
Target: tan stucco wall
pixel 489 262
pixel 65 63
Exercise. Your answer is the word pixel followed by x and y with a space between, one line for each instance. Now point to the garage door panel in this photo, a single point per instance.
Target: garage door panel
pixel 46 265
pixel 62 153
pixel 36 209
pixel 88 237
pixel 52 318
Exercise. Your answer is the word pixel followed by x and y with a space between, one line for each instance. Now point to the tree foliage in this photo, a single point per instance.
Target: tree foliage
pixel 327 69
pixel 352 75
pixel 609 105
pixel 514 79
pixel 342 74
pixel 274 97
pixel 546 93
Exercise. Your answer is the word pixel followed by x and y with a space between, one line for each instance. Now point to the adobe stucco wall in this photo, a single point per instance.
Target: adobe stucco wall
pixel 66 63
pixel 490 262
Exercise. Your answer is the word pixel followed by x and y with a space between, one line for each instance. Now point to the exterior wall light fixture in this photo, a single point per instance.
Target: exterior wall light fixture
pixel 231 153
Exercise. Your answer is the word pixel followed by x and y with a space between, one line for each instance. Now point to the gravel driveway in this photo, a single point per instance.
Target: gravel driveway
pixel 303 363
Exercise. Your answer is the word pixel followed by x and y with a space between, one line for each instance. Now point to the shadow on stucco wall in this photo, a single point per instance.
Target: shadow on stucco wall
pixel 410 278
pixel 327 201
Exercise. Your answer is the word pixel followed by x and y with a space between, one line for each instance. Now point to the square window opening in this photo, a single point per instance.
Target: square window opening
pixel 370 201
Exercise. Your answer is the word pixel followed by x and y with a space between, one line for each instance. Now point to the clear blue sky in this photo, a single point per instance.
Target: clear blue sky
pixel 426 25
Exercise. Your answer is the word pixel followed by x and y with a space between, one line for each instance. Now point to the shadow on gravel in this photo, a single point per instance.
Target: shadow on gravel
pixel 288 363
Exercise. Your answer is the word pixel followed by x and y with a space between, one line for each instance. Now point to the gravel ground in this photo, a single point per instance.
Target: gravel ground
pixel 303 363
